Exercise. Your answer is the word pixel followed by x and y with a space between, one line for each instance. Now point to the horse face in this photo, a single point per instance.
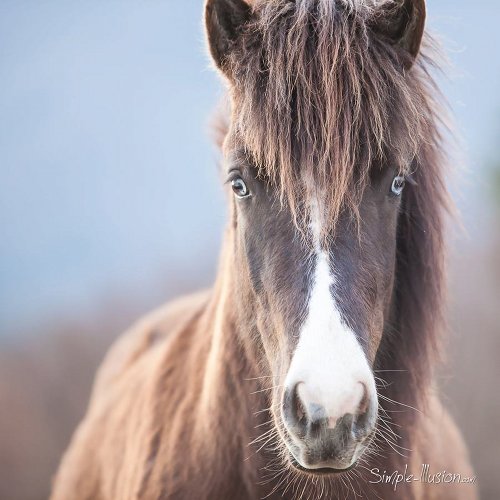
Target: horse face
pixel 317 293
pixel 320 305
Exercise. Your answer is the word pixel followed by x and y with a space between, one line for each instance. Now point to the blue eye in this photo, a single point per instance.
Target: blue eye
pixel 398 184
pixel 239 187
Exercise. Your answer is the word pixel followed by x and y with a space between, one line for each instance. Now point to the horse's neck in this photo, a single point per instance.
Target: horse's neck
pixel 231 403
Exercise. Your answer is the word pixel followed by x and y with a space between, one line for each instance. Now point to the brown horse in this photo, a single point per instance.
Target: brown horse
pixel 307 371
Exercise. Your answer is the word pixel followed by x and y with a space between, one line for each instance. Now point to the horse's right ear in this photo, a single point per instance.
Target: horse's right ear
pixel 224 21
pixel 402 23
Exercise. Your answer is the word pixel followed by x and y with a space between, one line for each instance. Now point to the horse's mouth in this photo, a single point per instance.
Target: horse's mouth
pixel 324 471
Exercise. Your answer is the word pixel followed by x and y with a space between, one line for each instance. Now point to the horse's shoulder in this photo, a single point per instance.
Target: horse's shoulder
pixel 148 334
pixel 123 395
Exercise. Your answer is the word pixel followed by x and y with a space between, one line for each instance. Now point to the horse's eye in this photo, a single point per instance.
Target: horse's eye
pixel 240 189
pixel 398 184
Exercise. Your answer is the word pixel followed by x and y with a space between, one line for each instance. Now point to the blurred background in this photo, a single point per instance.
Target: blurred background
pixel 110 204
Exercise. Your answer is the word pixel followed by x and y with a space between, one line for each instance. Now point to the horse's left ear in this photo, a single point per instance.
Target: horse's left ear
pixel 402 23
pixel 224 22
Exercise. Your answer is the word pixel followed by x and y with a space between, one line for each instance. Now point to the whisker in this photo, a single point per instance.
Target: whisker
pixel 267 389
pixel 385 398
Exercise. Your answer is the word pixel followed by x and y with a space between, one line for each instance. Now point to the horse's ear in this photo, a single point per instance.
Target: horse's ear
pixel 224 21
pixel 402 23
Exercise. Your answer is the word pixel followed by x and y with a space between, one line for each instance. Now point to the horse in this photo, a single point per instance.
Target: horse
pixel 308 370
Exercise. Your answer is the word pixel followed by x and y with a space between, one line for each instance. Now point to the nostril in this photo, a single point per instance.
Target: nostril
pixel 299 408
pixel 301 416
pixel 364 420
pixel 293 409
pixel 365 400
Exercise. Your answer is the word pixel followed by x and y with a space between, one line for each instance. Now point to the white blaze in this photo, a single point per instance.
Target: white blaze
pixel 328 362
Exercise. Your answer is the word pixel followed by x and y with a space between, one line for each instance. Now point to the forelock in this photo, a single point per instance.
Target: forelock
pixel 319 98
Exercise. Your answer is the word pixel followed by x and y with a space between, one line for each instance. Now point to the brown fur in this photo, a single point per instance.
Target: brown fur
pixel 180 398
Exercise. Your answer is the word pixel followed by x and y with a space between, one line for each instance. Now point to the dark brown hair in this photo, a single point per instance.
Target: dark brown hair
pixel 320 96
